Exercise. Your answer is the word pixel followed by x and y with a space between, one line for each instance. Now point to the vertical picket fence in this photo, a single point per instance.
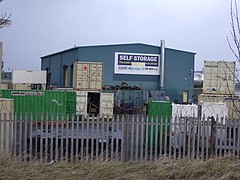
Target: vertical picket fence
pixel 120 138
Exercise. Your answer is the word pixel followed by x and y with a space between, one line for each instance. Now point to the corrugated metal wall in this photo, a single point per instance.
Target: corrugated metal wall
pixel 179 67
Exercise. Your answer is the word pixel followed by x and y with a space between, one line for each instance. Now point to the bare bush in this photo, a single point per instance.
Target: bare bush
pixel 5 19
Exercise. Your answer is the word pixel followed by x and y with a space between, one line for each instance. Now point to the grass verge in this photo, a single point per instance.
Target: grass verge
pixel 220 168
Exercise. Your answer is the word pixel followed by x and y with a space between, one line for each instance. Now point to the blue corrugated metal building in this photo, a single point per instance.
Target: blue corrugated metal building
pixel 178 67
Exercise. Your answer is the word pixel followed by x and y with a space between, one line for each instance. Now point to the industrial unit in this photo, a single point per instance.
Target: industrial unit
pixel 146 66
pixel 24 80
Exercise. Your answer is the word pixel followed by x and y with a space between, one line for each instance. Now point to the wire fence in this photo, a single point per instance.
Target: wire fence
pixel 120 138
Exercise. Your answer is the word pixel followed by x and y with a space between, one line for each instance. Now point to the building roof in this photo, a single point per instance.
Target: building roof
pixel 107 45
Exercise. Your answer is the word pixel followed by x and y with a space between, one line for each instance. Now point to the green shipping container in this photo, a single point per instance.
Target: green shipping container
pixel 158 111
pixel 42 102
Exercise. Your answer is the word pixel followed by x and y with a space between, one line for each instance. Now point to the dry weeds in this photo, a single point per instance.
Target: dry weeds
pixel 220 168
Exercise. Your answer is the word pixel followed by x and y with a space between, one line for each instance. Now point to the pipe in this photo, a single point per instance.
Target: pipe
pixel 162 65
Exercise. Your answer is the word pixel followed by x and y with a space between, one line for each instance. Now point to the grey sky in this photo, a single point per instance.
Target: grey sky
pixel 41 27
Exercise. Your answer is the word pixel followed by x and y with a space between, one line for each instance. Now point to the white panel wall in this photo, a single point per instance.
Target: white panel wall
pixel 30 77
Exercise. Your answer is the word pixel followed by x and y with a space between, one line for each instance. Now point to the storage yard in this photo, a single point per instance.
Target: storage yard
pixel 113 100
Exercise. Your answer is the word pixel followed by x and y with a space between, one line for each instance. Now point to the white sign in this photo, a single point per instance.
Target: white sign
pixel 136 63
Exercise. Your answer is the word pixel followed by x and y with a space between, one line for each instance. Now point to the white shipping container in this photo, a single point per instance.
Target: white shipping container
pixel 6 109
pixel 23 86
pixel 87 75
pixel 6 106
pixel 232 102
pixel 184 110
pixel 20 86
pixel 179 111
pixel 29 77
pixel 217 110
pixel 219 77
pixel 4 86
pixel 81 102
pixel 104 103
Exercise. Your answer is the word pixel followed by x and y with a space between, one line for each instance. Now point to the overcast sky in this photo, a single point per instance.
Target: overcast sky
pixel 41 27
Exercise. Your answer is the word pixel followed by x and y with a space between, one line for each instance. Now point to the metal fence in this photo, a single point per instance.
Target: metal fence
pixel 120 138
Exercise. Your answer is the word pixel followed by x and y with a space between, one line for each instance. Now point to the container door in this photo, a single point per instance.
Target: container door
pixel 106 104
pixel 93 103
pixel 226 73
pixel 80 76
pixel 95 76
pixel 87 76
pixel 81 103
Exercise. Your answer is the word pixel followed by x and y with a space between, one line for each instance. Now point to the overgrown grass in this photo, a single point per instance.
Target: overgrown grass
pixel 220 168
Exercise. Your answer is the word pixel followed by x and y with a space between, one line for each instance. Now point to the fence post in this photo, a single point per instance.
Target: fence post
pixel 77 139
pixel 97 140
pixel 57 152
pixel 111 133
pixel 123 146
pixel 51 140
pixel 132 137
pixel 142 137
pixel 117 138
pixel 91 150
pixel 72 136
pixel 213 135
pixel 137 138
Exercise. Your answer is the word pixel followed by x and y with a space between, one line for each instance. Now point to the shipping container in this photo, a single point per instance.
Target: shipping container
pixel 184 110
pixel 237 88
pixel 106 104
pixel 87 75
pixel 6 117
pixel 29 77
pixel 4 86
pixel 232 102
pixel 42 102
pixel 20 86
pixel 6 106
pixel 179 111
pixel 94 102
pixel 161 112
pixel 24 86
pixel 219 112
pixel 219 77
pixel 182 116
